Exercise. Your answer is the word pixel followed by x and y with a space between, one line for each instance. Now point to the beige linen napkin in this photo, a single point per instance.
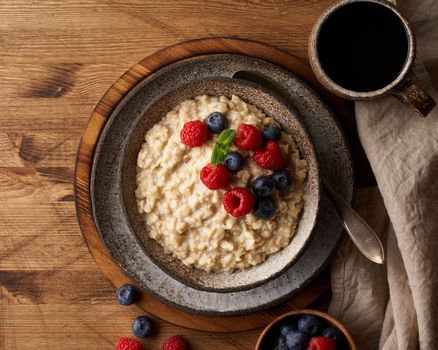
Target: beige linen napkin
pixel 395 306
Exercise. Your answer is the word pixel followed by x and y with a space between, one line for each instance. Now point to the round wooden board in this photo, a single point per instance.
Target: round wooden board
pixel 106 105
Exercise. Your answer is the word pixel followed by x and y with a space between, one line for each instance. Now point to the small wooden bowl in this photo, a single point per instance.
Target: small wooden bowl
pixel 329 319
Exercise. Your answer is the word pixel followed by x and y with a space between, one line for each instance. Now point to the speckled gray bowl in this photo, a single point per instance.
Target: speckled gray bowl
pixel 334 160
pixel 272 106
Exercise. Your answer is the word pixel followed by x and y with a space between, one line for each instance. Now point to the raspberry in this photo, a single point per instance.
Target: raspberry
pixel 248 137
pixel 269 157
pixel 194 133
pixel 175 342
pixel 128 344
pixel 321 343
pixel 215 176
pixel 238 201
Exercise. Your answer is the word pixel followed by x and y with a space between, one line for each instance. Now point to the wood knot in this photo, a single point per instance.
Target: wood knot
pixel 60 80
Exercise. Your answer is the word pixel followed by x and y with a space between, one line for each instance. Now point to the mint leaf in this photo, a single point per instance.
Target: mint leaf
pixel 226 137
pixel 218 155
pixel 222 147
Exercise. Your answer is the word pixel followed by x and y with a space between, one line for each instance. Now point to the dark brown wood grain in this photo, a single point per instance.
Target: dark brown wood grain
pixel 57 58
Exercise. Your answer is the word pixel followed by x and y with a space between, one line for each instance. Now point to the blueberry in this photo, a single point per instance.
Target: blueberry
pixel 309 324
pixel 281 344
pixel 142 327
pixel 296 340
pixel 216 122
pixel 282 179
pixel 263 186
pixel 271 132
pixel 265 208
pixel 233 161
pixel 333 333
pixel 126 294
pixel 286 328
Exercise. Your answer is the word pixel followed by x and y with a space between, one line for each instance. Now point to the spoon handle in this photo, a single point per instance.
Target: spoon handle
pixel 362 235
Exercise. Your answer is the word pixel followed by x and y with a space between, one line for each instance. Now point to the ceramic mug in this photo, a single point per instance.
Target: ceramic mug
pixel 363 49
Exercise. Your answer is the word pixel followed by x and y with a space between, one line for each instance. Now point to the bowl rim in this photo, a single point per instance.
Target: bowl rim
pixel 317 191
pixel 343 151
pixel 325 316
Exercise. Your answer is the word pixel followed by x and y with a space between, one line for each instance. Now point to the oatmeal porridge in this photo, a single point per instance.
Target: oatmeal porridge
pixel 188 219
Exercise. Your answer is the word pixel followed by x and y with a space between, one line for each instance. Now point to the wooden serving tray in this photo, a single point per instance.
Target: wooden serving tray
pixel 143 70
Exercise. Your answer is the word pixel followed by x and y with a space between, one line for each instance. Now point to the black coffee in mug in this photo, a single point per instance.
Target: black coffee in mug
pixel 363 46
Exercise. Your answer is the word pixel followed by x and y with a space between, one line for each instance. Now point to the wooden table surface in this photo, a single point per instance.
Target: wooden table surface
pixel 57 59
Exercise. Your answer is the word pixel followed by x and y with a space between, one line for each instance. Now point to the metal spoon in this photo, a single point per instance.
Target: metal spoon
pixel 362 235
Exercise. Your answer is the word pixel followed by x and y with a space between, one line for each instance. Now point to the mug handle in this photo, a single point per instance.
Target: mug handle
pixel 415 97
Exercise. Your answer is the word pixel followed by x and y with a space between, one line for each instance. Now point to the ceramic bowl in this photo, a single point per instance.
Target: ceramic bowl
pixel 274 107
pixel 266 340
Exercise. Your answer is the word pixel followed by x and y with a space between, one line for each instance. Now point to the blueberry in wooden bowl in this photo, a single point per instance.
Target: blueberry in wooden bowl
pixel 305 330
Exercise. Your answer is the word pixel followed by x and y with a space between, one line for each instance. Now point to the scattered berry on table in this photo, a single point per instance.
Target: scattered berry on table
pixel 271 132
pixel 248 137
pixel 263 186
pixel 175 342
pixel 286 328
pixel 194 133
pixel 128 344
pixel 282 179
pixel 233 161
pixel 126 294
pixel 296 340
pixel 309 324
pixel 216 122
pixel 269 156
pixel 215 176
pixel 238 201
pixel 265 208
pixel 333 333
pixel 321 343
pixel 142 326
